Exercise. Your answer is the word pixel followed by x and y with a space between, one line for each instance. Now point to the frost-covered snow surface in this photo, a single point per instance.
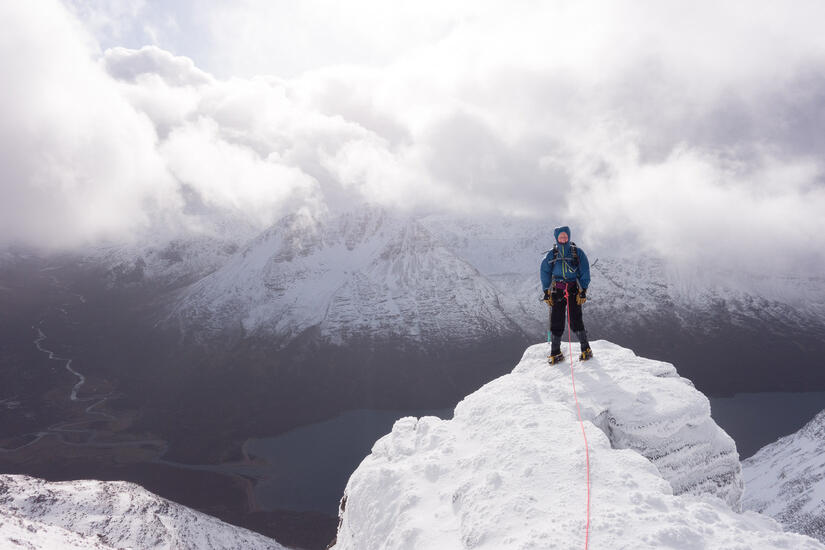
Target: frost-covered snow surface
pixel 508 471
pixel 786 480
pixel 35 514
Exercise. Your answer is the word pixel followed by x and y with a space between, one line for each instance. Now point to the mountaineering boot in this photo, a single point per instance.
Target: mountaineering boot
pixel 556 355
pixel 586 352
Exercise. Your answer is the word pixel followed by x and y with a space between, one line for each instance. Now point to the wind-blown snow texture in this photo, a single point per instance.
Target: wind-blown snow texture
pixel 786 480
pixel 508 471
pixel 108 515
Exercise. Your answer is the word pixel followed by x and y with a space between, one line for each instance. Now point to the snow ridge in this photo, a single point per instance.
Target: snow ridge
pixel 671 427
pixel 105 515
pixel 786 480
pixel 508 470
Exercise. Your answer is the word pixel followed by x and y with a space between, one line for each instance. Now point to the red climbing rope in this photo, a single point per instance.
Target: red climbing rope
pixel 581 423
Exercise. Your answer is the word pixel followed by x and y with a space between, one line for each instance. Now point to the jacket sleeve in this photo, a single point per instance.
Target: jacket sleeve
pixel 584 269
pixel 545 274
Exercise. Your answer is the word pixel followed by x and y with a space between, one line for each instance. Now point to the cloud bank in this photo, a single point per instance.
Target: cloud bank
pixel 673 127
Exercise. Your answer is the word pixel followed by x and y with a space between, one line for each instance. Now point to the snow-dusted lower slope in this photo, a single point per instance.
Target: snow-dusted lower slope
pixel 19 533
pixel 786 480
pixel 508 471
pixel 35 514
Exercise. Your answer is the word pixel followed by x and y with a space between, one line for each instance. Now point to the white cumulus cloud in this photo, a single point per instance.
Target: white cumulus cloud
pixel 649 125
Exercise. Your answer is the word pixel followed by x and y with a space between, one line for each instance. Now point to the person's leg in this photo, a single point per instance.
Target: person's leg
pixel 577 321
pixel 557 318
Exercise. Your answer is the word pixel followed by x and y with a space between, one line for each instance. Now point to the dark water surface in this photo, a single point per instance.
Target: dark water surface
pixel 754 420
pixel 308 467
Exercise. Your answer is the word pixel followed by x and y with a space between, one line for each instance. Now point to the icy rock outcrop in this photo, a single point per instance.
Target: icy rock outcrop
pixel 37 514
pixel 508 471
pixel 646 406
pixel 786 480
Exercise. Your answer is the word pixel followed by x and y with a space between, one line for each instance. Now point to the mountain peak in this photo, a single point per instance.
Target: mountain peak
pixel 367 272
pixel 508 471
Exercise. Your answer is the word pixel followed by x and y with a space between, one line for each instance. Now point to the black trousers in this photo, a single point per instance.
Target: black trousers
pixel 559 313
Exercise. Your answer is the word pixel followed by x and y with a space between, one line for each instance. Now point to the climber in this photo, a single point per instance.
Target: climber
pixel 565 273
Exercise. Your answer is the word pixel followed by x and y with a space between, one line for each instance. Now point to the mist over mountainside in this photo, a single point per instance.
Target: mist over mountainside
pixel 727 328
pixel 193 345
pixel 314 306
pixel 368 274
pixel 373 272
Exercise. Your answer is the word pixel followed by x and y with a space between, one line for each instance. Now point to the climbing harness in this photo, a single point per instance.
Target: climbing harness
pixel 568 264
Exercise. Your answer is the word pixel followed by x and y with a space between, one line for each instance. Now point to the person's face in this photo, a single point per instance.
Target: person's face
pixel 563 237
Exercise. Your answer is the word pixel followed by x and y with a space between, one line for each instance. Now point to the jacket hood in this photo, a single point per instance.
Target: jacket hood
pixel 562 229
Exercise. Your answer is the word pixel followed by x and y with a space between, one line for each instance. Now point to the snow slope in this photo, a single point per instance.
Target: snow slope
pixel 508 471
pixel 103 515
pixel 366 273
pixel 786 480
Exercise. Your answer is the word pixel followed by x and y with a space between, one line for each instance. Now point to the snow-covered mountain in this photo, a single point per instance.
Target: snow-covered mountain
pixel 356 287
pixel 367 274
pixel 508 253
pixel 36 514
pixel 373 271
pixel 509 470
pixel 786 480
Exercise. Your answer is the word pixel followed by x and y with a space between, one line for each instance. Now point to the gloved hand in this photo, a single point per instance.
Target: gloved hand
pixel 548 297
pixel 581 298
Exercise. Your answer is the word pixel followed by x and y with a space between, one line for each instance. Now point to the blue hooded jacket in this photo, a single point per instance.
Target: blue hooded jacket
pixel 562 269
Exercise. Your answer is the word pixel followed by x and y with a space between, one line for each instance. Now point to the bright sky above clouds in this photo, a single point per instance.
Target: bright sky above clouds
pixel 662 125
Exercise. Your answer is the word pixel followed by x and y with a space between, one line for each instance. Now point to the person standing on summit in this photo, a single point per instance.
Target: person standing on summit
pixel 565 276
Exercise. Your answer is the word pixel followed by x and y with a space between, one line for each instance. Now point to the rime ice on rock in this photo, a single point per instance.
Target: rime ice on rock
pixel 508 471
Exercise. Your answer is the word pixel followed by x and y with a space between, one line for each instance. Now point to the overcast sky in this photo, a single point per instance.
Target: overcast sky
pixel 677 127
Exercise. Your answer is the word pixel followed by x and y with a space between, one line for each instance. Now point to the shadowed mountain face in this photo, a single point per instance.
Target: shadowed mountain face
pixel 369 276
pixel 186 350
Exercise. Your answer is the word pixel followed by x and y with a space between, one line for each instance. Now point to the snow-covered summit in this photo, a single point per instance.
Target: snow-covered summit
pixel 786 480
pixel 508 471
pixel 75 515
